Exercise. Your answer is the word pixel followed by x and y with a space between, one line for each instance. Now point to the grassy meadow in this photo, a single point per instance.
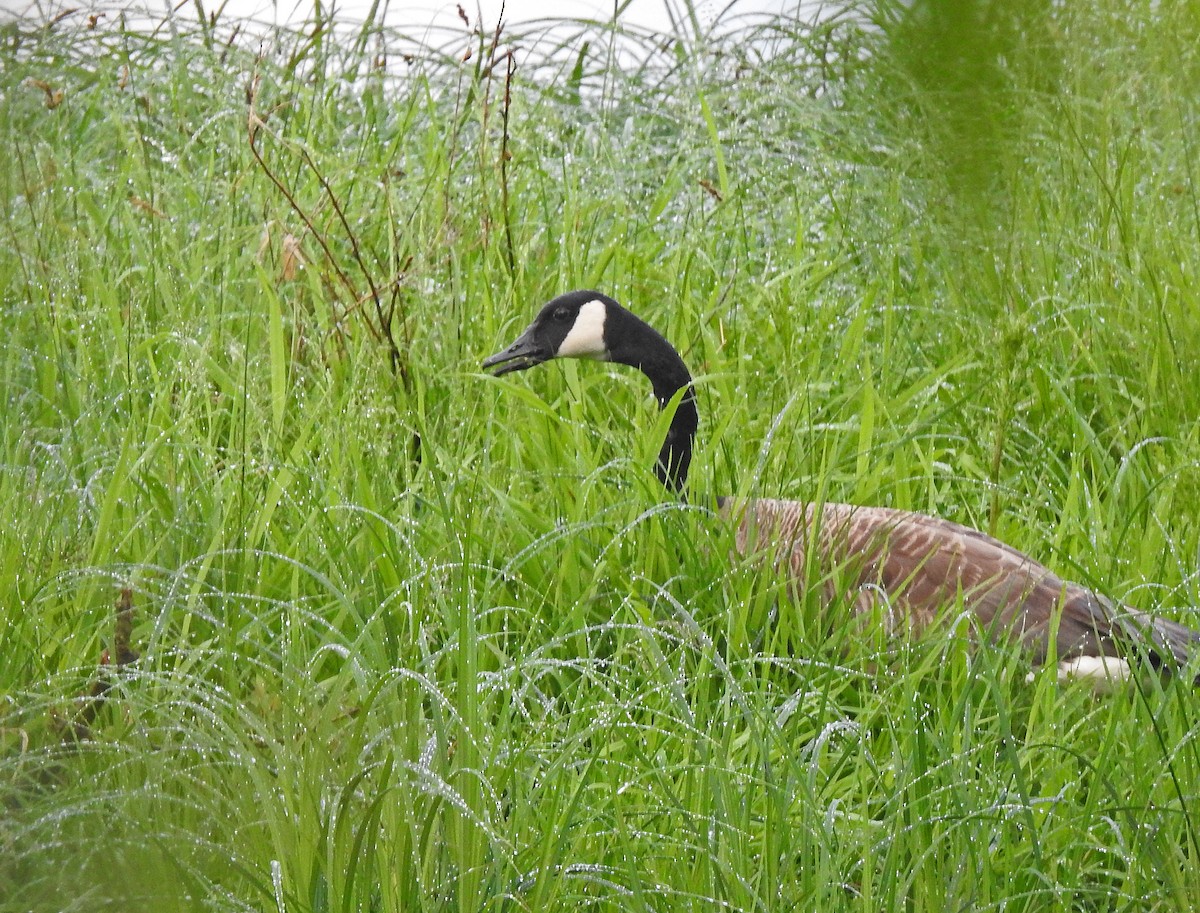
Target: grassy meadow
pixel 411 638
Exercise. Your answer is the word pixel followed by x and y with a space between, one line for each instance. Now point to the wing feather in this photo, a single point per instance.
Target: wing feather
pixel 924 566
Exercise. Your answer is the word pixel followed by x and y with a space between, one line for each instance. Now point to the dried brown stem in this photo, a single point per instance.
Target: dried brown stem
pixel 79 726
pixel 382 329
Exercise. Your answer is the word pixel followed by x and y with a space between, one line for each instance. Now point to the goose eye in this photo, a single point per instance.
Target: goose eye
pixel 562 313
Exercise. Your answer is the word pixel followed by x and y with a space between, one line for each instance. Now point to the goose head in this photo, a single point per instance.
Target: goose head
pixel 588 324
pixel 570 326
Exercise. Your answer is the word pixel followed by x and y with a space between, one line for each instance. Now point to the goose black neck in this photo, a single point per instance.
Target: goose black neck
pixel 635 343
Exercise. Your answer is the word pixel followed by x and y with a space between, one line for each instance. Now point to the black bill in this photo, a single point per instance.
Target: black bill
pixel 524 353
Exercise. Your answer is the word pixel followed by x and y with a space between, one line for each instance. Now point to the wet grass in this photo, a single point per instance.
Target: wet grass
pixel 415 639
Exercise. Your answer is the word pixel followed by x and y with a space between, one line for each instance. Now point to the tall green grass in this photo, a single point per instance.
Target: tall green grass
pixel 416 639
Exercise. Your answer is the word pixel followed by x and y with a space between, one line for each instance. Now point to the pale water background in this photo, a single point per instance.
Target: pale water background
pixel 437 16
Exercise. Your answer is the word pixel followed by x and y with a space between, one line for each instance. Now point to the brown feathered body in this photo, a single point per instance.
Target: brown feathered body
pixel 914 570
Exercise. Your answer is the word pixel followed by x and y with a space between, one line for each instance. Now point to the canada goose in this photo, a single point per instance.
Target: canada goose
pixel 903 565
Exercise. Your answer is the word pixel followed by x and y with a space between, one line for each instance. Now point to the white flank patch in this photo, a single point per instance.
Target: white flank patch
pixel 586 339
pixel 1104 673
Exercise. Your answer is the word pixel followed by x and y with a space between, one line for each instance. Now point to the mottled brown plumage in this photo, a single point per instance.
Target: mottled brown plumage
pixel 906 568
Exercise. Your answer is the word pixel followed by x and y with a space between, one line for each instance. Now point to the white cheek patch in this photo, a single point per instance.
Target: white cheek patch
pixel 586 338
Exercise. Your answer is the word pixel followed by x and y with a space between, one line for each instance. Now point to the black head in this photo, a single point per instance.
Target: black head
pixel 571 326
pixel 587 324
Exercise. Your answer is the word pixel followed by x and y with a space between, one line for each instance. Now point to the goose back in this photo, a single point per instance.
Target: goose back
pixel 911 570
